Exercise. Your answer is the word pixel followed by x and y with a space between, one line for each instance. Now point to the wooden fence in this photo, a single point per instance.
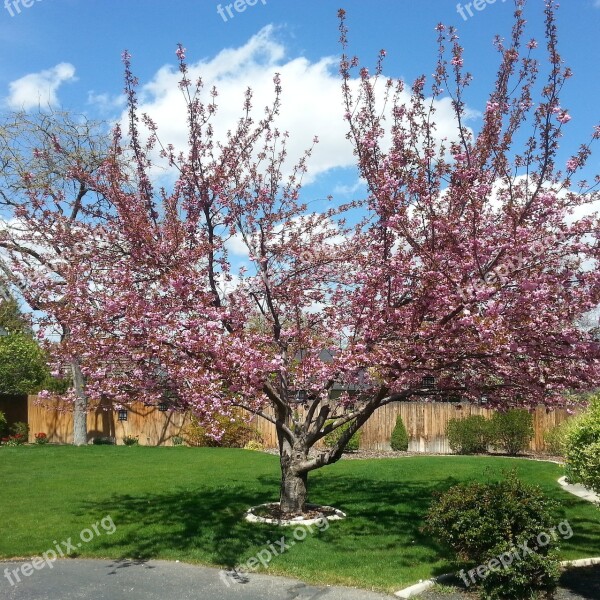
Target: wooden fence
pixel 152 426
pixel 425 422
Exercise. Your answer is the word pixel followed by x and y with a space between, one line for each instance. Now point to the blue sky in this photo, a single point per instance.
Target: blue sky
pixel 73 48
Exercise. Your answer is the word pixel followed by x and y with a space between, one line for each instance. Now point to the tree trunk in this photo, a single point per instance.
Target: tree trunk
pixel 80 407
pixel 294 492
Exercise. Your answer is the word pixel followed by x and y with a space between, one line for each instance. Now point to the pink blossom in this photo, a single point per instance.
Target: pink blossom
pixel 572 164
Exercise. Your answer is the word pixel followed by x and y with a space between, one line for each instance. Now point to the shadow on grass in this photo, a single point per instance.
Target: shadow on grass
pixel 207 523
pixel 586 530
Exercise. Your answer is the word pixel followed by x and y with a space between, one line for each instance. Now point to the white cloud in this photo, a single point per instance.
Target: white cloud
pixel 39 89
pixel 312 100
pixel 105 103
pixel 350 190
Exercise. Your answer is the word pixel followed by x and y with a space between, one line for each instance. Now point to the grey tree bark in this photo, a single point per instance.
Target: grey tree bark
pixel 80 407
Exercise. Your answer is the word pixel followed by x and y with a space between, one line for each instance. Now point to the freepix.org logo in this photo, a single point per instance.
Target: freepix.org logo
pixel 466 10
pixel 239 6
pixel 14 7
pixel 60 549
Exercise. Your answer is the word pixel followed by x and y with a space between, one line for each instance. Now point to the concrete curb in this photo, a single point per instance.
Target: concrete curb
pixel 576 490
pixel 581 562
pixel 419 588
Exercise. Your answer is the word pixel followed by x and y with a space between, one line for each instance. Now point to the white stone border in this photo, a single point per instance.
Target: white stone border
pixel 580 491
pixel 422 586
pixel 581 562
pixel 252 518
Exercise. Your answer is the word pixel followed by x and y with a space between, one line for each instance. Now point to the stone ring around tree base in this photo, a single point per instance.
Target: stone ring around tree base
pixel 315 514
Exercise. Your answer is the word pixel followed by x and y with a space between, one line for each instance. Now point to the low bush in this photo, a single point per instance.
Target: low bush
pixel 483 522
pixel 254 445
pixel 236 433
pixel 3 425
pixel 20 428
pixel 131 440
pixel 468 436
pixel 512 430
pixel 555 439
pixel 41 438
pixel 534 576
pixel 331 439
pixel 104 441
pixel 399 438
pixel 18 439
pixel 177 440
pixel 582 448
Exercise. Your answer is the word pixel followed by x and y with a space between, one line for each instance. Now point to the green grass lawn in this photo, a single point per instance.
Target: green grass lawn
pixel 187 504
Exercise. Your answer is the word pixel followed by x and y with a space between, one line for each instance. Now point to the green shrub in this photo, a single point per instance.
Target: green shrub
pixel 537 575
pixel 481 521
pixel 3 425
pixel 468 436
pixel 253 445
pixel 512 430
pixel 582 453
pixel 399 438
pixel 177 440
pixel 41 438
pixel 22 364
pixel 20 428
pixel 14 440
pixel 332 438
pixel 103 441
pixel 555 439
pixel 131 440
pixel 236 433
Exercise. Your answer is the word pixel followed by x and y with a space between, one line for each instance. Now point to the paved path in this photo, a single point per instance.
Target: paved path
pixel 75 579
pixel 578 490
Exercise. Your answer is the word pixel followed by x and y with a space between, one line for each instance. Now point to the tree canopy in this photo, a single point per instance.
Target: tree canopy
pixel 461 273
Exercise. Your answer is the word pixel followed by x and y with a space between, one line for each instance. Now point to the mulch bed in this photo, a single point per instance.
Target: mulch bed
pixel 365 454
pixel 273 511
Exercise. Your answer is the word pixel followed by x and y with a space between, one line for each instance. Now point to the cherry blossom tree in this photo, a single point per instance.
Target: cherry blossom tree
pixel 461 274
pixel 47 160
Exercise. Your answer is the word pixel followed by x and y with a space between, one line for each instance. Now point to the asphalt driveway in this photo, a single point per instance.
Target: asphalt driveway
pixel 76 579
